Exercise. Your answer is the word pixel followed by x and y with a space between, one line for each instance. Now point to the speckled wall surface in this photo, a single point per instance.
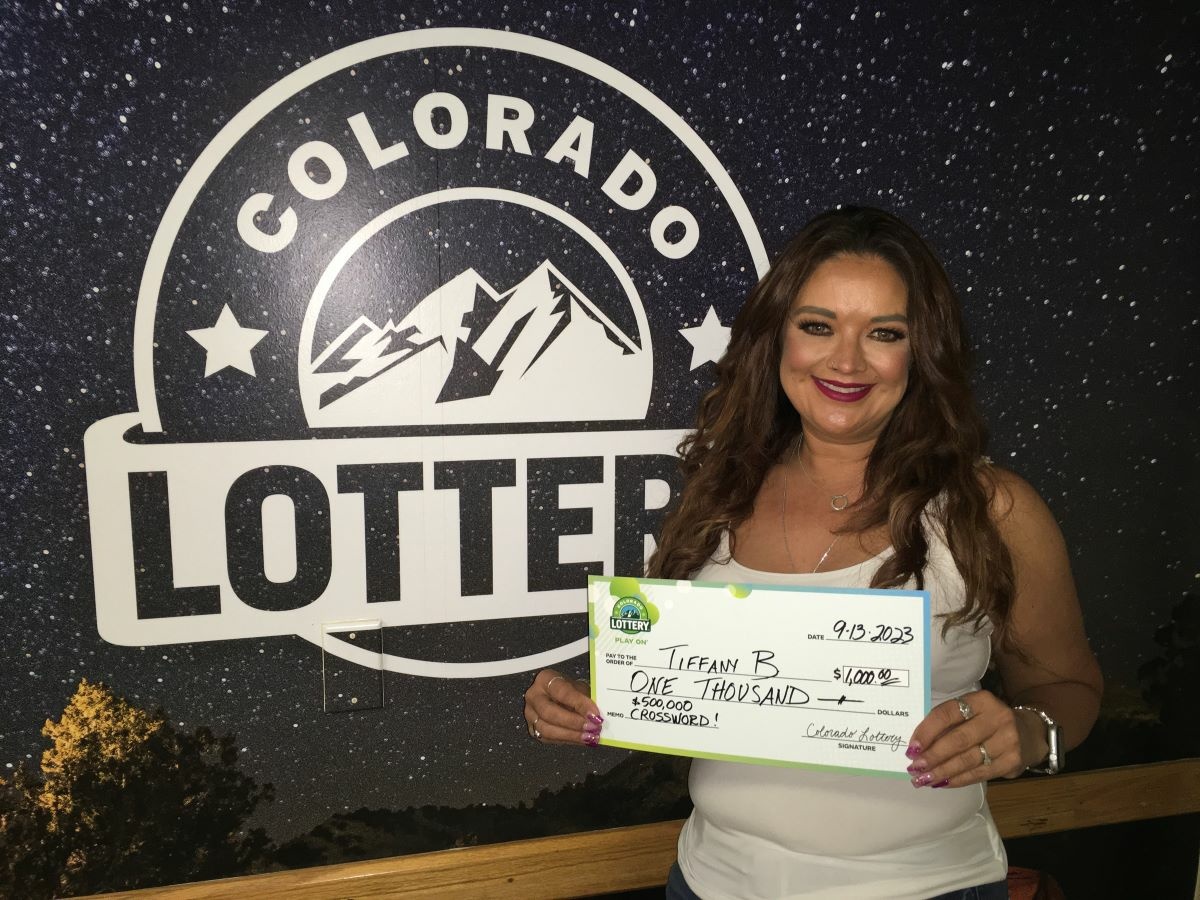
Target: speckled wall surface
pixel 1048 154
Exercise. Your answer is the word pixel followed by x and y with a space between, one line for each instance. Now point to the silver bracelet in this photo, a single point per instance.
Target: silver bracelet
pixel 1056 758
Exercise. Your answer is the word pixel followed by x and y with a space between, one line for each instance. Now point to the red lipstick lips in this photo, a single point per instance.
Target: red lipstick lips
pixel 841 391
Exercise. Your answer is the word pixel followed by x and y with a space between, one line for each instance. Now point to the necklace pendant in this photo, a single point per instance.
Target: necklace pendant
pixel 838 502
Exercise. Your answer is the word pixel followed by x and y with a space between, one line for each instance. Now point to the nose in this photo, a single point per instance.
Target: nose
pixel 846 355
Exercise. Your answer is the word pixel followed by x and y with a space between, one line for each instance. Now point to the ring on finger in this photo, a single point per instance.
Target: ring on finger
pixel 533 729
pixel 552 680
pixel 964 708
pixel 987 760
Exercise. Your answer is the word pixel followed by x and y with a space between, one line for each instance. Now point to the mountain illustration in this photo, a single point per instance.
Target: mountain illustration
pixel 468 353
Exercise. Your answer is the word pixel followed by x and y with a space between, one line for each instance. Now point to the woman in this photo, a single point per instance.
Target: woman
pixel 842 447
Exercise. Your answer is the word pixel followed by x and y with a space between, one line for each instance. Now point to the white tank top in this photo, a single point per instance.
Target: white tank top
pixel 768 833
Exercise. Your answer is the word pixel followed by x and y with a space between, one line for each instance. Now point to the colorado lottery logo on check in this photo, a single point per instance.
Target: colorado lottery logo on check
pixel 630 615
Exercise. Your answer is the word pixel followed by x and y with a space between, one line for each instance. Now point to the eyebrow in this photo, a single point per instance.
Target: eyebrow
pixel 830 314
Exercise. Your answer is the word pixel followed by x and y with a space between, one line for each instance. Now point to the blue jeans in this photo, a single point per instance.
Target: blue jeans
pixel 678 889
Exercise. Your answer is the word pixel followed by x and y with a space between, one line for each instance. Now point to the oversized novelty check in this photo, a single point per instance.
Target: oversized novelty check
pixel 819 677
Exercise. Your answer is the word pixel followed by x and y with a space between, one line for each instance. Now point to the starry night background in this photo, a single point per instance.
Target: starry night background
pixel 1048 151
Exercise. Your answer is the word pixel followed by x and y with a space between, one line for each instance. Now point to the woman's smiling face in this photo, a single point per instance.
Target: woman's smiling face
pixel 845 357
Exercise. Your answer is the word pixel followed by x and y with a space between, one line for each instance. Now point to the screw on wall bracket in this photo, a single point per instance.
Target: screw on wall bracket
pixel 353 683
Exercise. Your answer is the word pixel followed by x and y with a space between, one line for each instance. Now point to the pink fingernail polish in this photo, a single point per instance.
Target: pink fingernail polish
pixel 595 718
pixel 915 769
pixel 591 728
pixel 922 780
pixel 590 739
pixel 942 783
pixel 913 751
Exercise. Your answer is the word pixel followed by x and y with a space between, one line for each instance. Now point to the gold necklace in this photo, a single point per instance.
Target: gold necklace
pixel 837 502
pixel 786 544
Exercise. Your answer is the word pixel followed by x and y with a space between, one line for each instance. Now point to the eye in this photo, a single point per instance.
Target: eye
pixel 888 335
pixel 814 326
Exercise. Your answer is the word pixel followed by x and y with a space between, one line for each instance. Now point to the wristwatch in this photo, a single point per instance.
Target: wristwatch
pixel 1056 759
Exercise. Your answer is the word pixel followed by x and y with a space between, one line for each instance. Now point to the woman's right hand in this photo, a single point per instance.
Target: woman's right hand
pixel 558 710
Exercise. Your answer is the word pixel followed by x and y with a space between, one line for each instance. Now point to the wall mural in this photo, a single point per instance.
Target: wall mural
pixel 344 342
pixel 491 300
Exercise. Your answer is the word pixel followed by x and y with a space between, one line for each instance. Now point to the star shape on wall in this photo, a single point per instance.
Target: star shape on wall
pixel 228 344
pixel 708 339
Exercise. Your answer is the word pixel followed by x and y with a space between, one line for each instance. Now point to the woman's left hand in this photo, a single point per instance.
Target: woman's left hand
pixel 972 739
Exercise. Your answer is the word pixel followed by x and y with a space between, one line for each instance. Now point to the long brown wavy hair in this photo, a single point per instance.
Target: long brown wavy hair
pixel 927 460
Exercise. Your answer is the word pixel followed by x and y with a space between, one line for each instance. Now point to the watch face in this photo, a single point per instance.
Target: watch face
pixel 1054 763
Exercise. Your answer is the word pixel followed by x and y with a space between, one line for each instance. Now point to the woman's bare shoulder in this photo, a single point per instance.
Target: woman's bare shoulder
pixel 1016 506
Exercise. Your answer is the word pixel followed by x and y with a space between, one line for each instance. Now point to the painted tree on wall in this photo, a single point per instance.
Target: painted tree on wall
pixel 124 800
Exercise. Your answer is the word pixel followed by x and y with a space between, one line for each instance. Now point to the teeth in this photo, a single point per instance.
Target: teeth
pixel 843 390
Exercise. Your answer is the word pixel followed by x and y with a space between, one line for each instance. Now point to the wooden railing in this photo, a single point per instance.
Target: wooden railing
pixel 623 859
